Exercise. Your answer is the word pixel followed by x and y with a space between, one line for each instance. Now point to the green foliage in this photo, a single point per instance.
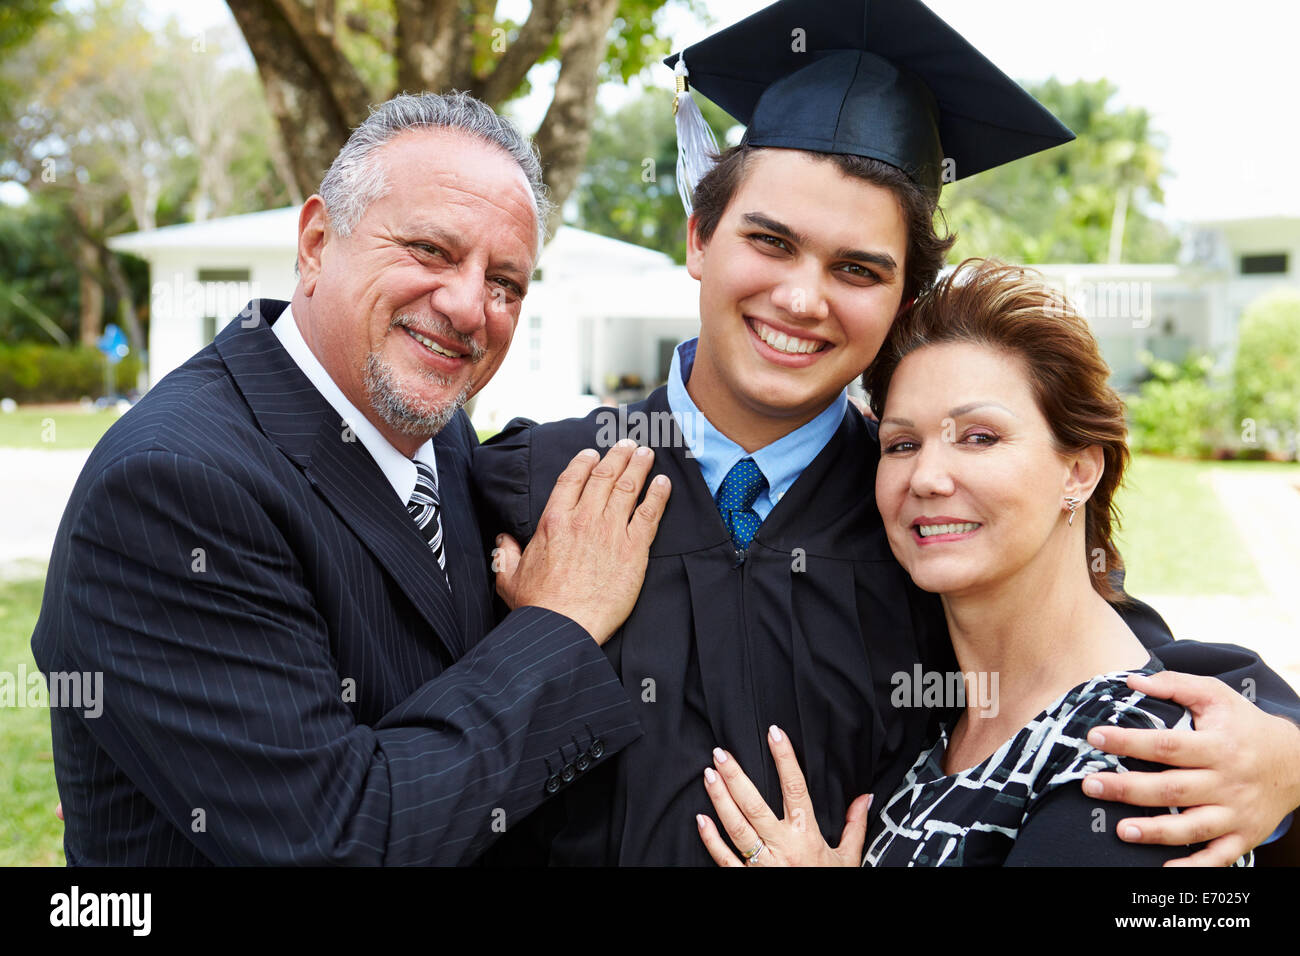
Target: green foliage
pixel 1266 373
pixel 1063 204
pixel 637 41
pixel 35 270
pixel 1180 410
pixel 628 189
pixel 115 127
pixel 19 21
pixel 30 372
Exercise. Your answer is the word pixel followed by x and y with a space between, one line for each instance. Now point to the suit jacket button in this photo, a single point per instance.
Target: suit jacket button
pixel 552 783
pixel 568 773
pixel 597 749
pixel 582 763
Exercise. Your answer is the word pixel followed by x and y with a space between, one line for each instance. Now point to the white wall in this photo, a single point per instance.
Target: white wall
pixel 178 302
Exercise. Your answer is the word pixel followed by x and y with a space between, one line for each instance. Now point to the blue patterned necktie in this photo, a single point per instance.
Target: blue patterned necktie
pixel 736 497
pixel 423 507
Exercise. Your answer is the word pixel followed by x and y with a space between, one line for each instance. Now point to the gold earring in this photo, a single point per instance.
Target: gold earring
pixel 1072 504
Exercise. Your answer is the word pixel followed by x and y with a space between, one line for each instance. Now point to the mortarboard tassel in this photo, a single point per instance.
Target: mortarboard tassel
pixel 697 149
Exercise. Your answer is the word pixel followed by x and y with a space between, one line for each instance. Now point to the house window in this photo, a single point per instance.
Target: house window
pixel 225 292
pixel 1271 264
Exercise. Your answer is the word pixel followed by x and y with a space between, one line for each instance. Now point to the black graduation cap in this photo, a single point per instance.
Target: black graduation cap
pixel 880 78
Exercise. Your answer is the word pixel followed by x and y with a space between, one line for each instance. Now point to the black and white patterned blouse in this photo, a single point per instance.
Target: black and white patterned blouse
pixel 1024 804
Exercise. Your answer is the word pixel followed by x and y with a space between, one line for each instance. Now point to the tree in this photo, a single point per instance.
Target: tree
pixel 115 128
pixel 1086 201
pixel 628 189
pixel 323 62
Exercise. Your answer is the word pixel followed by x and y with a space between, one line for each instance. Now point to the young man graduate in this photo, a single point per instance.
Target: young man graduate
pixel 772 596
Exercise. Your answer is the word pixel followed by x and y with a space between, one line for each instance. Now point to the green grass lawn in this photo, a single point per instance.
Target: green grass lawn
pixel 57 426
pixel 30 833
pixel 1173 523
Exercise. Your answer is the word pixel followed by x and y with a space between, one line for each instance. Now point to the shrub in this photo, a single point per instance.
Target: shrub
pixel 1266 373
pixel 32 372
pixel 1180 410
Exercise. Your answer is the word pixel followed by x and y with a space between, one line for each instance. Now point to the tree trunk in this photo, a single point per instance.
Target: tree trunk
pixel 313 91
pixel 127 314
pixel 92 294
pixel 565 133
pixel 1117 220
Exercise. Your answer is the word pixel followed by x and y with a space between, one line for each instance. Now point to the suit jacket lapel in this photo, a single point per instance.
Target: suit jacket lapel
pixel 307 429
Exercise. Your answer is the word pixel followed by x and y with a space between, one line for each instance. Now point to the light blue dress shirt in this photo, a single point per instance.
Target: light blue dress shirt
pixel 781 462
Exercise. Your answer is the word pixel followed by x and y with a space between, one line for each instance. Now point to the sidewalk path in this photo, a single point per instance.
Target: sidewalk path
pixel 35 484
pixel 1265 507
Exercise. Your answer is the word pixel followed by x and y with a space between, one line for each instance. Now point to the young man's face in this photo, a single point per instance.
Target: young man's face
pixel 798 286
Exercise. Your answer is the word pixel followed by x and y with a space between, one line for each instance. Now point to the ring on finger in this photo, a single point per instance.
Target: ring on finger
pixel 749 855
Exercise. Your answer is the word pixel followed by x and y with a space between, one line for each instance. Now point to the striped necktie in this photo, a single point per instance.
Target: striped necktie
pixel 736 497
pixel 423 507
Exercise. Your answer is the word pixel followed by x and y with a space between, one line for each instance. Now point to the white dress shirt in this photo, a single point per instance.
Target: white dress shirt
pixel 397 468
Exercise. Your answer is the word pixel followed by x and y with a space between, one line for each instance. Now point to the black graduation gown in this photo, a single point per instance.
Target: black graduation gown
pixel 806 631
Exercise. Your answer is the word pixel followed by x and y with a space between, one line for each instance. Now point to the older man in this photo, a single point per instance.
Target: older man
pixel 274 562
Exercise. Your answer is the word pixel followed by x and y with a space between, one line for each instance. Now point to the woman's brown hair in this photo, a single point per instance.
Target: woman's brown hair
pixel 987 302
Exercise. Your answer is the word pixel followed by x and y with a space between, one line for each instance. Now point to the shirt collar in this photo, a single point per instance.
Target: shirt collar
pixel 397 468
pixel 782 462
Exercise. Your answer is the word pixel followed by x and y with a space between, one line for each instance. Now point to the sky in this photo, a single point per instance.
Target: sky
pixel 1220 80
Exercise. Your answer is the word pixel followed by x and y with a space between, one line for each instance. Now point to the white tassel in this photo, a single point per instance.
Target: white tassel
pixel 697 148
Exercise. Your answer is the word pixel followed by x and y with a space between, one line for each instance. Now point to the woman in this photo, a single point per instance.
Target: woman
pixel 1002 447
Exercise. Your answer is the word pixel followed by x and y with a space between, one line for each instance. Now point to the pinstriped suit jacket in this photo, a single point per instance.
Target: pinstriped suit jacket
pixel 286 678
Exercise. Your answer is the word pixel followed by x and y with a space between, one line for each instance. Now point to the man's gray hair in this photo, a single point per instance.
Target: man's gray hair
pixel 356 179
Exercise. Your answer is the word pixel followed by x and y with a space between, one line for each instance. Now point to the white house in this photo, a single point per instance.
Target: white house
pixel 602 316
pixel 600 313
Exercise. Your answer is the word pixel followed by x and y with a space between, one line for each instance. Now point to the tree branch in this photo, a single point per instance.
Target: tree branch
pixel 314 93
pixel 534 37
pixel 565 132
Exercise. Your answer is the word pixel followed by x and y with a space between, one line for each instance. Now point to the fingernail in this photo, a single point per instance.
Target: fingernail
pixel 500 539
pixel 710 775
pixel 699 820
pixel 1092 788
pixel 870 799
pixel 1132 833
pixel 625 443
pixel 589 453
pixel 642 451
pixel 719 755
pixel 661 479
pixel 775 733
pixel 1096 738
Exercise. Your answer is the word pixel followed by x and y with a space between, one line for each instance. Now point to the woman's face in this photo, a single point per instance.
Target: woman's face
pixel 970 484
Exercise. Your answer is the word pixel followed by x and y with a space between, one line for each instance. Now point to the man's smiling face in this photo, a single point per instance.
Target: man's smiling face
pixel 799 283
pixel 416 307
